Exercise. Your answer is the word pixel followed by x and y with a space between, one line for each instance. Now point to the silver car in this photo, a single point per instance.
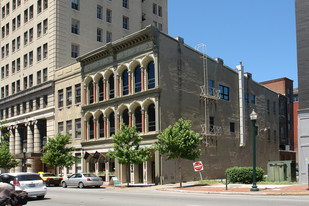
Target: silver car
pixel 82 180
pixel 32 183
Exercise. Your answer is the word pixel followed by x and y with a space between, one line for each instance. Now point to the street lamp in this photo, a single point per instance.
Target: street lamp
pixel 24 153
pixel 253 117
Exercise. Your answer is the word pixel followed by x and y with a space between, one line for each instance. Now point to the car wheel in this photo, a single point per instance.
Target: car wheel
pixel 64 185
pixel 80 185
pixel 41 197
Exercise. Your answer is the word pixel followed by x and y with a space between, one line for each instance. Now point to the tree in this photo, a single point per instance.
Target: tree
pixel 127 149
pixel 57 153
pixel 179 142
pixel 7 159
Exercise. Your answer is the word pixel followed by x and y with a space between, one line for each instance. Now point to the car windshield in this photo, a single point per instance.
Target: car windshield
pixel 90 175
pixel 28 177
pixel 49 175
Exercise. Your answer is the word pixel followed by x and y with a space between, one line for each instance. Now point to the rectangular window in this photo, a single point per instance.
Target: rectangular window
pixel 26 16
pixel 7 112
pixel 224 92
pixel 18 109
pixel 1 114
pixel 38 102
pixel 25 82
pixel 39 54
pixel 13 45
pixel 7 49
pixel 7 90
pixel 60 127
pixel 99 12
pixel 69 128
pixel 45 51
pixel 18 64
pixel 30 58
pixel 108 37
pixel 282 133
pixel 125 3
pixel 18 43
pixel 14 4
pixel 232 127
pixel 12 111
pixel 45 4
pixel 75 4
pixel 282 109
pixel 246 98
pixel 210 87
pixel 39 5
pixel 7 70
pixel 45 75
pixel 24 107
pixel 17 85
pixel 45 101
pixel 3 32
pixel 39 30
pixel 13 67
pixel 77 94
pixel 125 22
pixel 13 88
pixel 38 77
pixel 31 12
pixel 18 21
pixel 2 72
pixel 2 52
pixel 30 105
pixel 154 8
pixel 108 16
pixel 18 2
pixel 75 26
pixel 25 60
pixel 45 26
pixel 99 34
pixel 2 92
pixel 78 127
pixel 7 8
pixel 30 80
pixel 3 12
pixel 30 35
pixel 160 27
pixel 160 11
pixel 252 99
pixel 60 98
pixel 74 50
pixel 69 96
pixel 7 27
pixel 13 24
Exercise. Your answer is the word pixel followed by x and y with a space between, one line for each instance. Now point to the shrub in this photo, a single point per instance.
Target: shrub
pixel 244 174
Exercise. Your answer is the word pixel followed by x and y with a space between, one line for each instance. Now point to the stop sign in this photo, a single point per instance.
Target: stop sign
pixel 198 166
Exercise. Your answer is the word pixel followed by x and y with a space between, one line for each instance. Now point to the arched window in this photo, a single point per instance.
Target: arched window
pixel 90 90
pixel 151 118
pixel 101 126
pixel 137 79
pixel 138 119
pixel 125 117
pixel 111 86
pixel 101 90
pixel 125 82
pixel 151 75
pixel 91 128
pixel 111 124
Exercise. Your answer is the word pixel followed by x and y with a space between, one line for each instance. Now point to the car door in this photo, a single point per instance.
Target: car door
pixel 77 179
pixel 70 180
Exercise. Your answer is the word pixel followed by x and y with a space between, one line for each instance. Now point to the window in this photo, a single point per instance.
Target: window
pixel 78 127
pixel 60 98
pixel 38 102
pixel 90 92
pixel 39 30
pixel 30 105
pixel 26 16
pixel 151 118
pixel 274 107
pixel 75 26
pixel 111 124
pixel 7 90
pixel 14 4
pixel 2 72
pixel 111 86
pixel 138 119
pixel 45 101
pixel 7 49
pixel 13 88
pixel 25 82
pixel 39 5
pixel 160 27
pixel 2 52
pixel 45 50
pixel 18 43
pixel 18 2
pixel 3 32
pixel 125 22
pixel 69 96
pixel 160 11
pixel 25 60
pixel 252 99
pixel 74 50
pixel 101 125
pixel 99 34
pixel 101 89
pixel 39 54
pixel 7 70
pixel 151 75
pixel 232 127
pixel 12 111
pixel 282 133
pixel 7 27
pixel 18 21
pixel 7 8
pixel 99 12
pixel 24 107
pixel 91 128
pixel 18 64
pixel 30 58
pixel 154 8
pixel 108 16
pixel 13 67
pixel 75 4
pixel 125 3
pixel 18 109
pixel 77 94
pixel 45 26
pixel 45 4
pixel 31 12
pixel 108 37
pixel 3 12
pixel 69 127
pixel 30 35
pixel 30 80
pixel 2 92
pixel 137 79
pixel 224 92
pixel 60 127
pixel 38 77
pixel 17 85
pixel 125 82
pixel 14 24
pixel 13 45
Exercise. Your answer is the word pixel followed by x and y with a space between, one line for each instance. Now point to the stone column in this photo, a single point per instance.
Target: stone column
pixel 130 119
pixel 85 130
pixel 117 86
pixel 130 86
pixel 143 121
pixel 105 127
pixel 30 147
pixel 85 95
pixel 118 122
pixel 12 141
pixel 37 139
pixel 142 77
pixel 18 148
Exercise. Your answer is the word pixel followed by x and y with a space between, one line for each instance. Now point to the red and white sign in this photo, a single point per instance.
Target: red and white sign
pixel 198 166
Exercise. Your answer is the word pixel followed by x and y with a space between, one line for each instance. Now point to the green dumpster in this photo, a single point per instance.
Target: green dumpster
pixel 280 171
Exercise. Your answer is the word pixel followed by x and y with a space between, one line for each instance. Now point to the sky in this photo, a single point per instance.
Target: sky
pixel 259 33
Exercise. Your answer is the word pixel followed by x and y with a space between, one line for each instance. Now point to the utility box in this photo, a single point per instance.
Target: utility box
pixel 280 171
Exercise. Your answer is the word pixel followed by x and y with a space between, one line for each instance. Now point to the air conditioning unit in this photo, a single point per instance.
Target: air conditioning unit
pixel 287 147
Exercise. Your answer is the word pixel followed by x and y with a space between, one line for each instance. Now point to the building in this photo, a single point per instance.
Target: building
pixel 302 33
pixel 39 36
pixel 295 119
pixel 284 87
pixel 149 80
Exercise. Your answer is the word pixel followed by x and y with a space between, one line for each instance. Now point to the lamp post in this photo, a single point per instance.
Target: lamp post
pixel 24 158
pixel 253 117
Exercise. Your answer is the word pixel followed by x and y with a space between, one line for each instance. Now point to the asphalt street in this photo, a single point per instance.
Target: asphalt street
pixel 57 196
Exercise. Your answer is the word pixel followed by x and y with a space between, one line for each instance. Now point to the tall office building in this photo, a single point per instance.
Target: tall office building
pixel 39 36
pixel 302 34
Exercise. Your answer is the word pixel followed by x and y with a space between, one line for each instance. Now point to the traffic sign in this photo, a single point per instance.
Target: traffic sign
pixel 198 166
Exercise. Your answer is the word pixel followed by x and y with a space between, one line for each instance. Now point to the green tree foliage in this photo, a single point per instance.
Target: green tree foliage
pixel 57 153
pixel 7 159
pixel 179 142
pixel 127 148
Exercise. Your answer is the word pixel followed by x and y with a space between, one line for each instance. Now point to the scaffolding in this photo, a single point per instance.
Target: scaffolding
pixel 209 94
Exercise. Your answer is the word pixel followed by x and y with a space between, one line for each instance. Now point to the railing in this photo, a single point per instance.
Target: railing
pixel 211 93
pixel 211 131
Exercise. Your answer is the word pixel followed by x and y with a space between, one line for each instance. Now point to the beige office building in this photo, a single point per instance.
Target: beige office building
pixel 39 36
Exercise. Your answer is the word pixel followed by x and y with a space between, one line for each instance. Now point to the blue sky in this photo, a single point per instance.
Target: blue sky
pixel 260 33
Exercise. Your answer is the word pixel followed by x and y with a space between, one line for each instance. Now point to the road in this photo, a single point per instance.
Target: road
pixel 57 196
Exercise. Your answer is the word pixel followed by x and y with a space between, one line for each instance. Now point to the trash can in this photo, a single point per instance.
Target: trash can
pixel 280 171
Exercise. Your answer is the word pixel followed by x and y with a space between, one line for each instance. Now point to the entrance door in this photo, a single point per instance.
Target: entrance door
pixel 153 172
pixel 140 173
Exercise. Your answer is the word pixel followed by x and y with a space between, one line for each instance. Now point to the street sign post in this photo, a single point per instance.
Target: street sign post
pixel 198 167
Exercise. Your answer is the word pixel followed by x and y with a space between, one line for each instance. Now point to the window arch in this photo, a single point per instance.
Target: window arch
pixel 111 124
pixel 91 128
pixel 138 119
pixel 101 125
pixel 90 91
pixel 101 89
pixel 125 117
pixel 151 118
pixel 111 86
pixel 137 79
pixel 125 82
pixel 151 75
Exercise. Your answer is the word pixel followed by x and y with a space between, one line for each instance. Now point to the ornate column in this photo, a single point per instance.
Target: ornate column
pixel 18 147
pixel 143 121
pixel 117 85
pixel 37 139
pixel 85 95
pixel 118 122
pixel 30 146
pixel 130 119
pixel 105 127
pixel 130 86
pixel 142 77
pixel 85 130
pixel 12 141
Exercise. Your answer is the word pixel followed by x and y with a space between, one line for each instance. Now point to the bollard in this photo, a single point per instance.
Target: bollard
pixel 308 175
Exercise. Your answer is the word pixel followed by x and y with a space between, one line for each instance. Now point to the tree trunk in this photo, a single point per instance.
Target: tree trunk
pixel 128 175
pixel 180 172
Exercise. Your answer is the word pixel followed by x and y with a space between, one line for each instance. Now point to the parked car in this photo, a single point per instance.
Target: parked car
pixel 32 183
pixel 50 178
pixel 82 180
